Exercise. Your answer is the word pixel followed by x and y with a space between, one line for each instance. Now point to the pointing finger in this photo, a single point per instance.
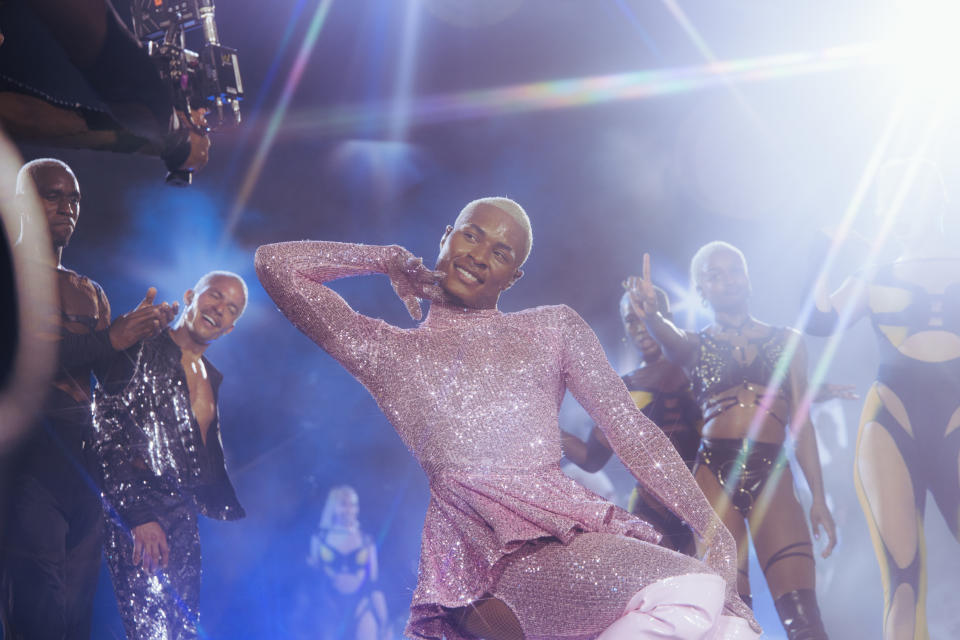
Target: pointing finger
pixel 148 299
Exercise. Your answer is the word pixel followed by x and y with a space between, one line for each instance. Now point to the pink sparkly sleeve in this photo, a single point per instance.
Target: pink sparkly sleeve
pixel 294 273
pixel 640 444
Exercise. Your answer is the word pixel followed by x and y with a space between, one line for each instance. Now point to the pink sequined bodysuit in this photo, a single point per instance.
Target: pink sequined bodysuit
pixel 475 395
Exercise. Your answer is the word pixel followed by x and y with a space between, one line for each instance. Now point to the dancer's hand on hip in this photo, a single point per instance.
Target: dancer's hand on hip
pixel 150 547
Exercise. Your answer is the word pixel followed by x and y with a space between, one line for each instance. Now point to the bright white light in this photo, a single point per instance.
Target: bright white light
pixel 686 304
pixel 924 47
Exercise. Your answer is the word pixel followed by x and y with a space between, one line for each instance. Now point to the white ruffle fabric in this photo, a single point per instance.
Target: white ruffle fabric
pixel 684 607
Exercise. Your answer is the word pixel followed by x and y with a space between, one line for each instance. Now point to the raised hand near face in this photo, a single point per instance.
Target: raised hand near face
pixel 413 281
pixel 643 296
pixel 146 321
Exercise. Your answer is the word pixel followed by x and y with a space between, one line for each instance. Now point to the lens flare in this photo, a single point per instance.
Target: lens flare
pixel 577 92
pixel 273 127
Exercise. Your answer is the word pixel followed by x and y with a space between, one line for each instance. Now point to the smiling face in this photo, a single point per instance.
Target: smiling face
pixel 60 198
pixel 723 281
pixel 213 308
pixel 481 256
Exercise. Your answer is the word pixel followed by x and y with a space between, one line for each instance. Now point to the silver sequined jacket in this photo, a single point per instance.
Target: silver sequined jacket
pixel 148 443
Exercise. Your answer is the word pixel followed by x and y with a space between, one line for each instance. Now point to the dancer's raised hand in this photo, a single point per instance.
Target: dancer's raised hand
pixel 146 321
pixel 413 281
pixel 643 296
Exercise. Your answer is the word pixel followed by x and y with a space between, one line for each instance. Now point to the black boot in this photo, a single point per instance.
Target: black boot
pixel 800 615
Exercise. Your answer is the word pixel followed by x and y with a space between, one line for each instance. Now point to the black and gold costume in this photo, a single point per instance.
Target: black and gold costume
pixel 742 467
pixel 676 413
pixel 340 612
pixel 721 367
pixel 916 402
pixel 726 375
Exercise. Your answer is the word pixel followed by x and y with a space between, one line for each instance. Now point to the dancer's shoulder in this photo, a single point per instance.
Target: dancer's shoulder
pixel 555 313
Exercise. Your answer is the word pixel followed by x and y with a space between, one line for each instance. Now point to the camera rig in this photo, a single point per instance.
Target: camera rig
pixel 206 78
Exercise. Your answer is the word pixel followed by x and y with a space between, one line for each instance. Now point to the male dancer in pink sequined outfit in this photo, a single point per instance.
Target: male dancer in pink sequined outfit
pixel 511 547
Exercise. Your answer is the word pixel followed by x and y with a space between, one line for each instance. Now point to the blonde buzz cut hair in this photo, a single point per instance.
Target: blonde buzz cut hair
pixel 703 254
pixel 508 206
pixel 29 172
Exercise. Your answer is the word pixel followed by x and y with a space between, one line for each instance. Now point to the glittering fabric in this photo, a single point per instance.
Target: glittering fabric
pixel 675 411
pixel 148 442
pixel 160 606
pixel 156 468
pixel 717 370
pixel 475 396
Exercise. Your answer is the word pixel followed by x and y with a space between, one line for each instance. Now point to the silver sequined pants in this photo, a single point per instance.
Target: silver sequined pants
pixel 162 606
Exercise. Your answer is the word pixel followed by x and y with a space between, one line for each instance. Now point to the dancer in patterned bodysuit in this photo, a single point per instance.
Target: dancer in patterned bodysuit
pixel 909 437
pixel 511 547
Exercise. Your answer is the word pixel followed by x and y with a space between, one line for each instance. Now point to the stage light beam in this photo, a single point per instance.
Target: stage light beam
pixel 269 136
pixel 577 92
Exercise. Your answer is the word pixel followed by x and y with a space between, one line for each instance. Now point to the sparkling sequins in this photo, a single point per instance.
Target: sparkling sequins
pixel 717 370
pixel 502 519
pixel 156 468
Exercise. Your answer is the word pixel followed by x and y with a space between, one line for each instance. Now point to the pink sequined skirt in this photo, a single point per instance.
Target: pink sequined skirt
pixel 566 561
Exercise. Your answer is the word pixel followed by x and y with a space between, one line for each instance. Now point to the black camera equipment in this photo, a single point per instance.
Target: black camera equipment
pixel 206 77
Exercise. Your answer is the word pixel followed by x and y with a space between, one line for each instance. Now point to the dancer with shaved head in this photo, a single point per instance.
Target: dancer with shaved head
pixel 158 443
pixel 51 554
pixel 511 547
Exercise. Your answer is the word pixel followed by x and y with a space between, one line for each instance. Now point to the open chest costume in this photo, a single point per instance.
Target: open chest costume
pixel 156 467
pixel 742 467
pixel 51 553
pixel 475 394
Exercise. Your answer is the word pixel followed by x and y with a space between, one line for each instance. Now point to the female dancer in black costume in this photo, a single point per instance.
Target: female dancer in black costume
pixel 909 438
pixel 733 366
pixel 662 392
pixel 347 561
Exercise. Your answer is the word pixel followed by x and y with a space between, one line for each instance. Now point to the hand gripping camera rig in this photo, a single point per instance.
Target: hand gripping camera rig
pixel 205 83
